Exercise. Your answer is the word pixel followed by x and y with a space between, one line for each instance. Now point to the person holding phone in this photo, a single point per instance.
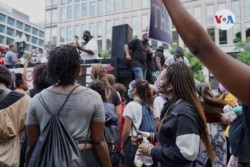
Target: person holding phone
pixel 90 48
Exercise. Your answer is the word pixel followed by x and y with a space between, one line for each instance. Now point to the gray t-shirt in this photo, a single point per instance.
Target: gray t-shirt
pixel 81 108
pixel 10 57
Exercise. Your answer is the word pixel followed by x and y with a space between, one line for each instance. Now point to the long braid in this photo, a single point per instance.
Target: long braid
pixel 184 87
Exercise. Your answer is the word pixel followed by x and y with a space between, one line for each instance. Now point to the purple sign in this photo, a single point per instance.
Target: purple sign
pixel 159 28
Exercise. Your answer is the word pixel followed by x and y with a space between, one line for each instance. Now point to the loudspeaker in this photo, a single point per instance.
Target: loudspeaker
pixel 121 35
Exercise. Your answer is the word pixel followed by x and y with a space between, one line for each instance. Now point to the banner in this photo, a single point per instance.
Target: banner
pixel 160 27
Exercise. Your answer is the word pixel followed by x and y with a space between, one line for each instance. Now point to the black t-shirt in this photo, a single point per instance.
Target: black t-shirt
pixel 11 98
pixel 139 53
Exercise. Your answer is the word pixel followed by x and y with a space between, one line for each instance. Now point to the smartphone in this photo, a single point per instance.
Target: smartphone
pixel 76 37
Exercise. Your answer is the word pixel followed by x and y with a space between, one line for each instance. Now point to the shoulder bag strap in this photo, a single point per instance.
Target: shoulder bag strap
pixel 4 94
pixel 58 112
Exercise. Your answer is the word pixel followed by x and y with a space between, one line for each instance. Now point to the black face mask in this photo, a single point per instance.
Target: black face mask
pixel 146 40
pixel 86 38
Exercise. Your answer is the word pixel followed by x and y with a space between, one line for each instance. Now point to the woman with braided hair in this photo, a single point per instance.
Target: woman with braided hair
pixel 183 126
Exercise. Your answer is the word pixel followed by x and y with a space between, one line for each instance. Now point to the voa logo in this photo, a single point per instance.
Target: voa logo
pixel 224 19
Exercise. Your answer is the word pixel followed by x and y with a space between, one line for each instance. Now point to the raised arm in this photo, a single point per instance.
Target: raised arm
pixel 236 78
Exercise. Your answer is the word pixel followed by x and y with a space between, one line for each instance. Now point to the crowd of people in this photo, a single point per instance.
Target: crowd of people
pixel 62 123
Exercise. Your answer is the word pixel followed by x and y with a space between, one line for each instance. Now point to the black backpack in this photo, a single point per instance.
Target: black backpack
pixel 55 146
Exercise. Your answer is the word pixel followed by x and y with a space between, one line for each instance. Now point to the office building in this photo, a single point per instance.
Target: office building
pixel 66 18
pixel 16 25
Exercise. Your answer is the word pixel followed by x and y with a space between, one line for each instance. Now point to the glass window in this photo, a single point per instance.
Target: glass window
pixel 144 3
pixel 108 44
pixel 99 29
pixel 19 33
pixel 210 13
pixel 63 2
pixel 211 33
pixel 10 31
pixel 221 6
pixel 126 4
pixel 236 9
pixel 247 7
pixel 84 27
pixel 34 40
pixel 51 17
pixel 77 1
pixel 247 29
pixel 92 28
pixel 154 44
pixel 2 17
pixel 197 13
pixel 2 28
pixel 9 41
pixel 77 11
pixel 126 20
pixel 28 37
pixel 109 6
pixel 134 24
pixel 19 24
pixel 41 34
pixel 69 2
pixel 69 12
pixel 41 42
pixel 223 37
pixel 99 7
pixel 108 28
pixel 145 22
pixel 27 47
pixel 62 34
pixel 27 28
pixel 53 34
pixel 47 35
pixel 2 39
pixel 116 22
pixel 10 21
pixel 99 43
pixel 51 3
pixel 77 31
pixel 63 14
pixel 69 34
pixel 92 8
pixel 84 9
pixel 34 31
pixel 175 38
pixel 237 33
pixel 134 4
pixel 117 5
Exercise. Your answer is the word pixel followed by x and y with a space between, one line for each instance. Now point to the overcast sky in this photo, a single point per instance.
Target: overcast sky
pixel 35 9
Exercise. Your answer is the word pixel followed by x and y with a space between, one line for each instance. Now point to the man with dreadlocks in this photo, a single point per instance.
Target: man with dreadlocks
pixel 183 125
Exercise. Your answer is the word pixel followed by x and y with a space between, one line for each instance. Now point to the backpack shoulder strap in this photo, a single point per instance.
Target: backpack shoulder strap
pixel 4 94
pixel 58 112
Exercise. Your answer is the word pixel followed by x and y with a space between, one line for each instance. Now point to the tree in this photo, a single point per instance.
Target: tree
pixel 243 55
pixel 195 65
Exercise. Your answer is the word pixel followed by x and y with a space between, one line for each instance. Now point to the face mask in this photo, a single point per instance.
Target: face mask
pixel 180 59
pixel 146 40
pixel 130 94
pixel 86 38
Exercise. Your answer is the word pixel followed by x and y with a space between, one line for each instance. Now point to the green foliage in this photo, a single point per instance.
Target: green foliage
pixel 242 55
pixel 105 54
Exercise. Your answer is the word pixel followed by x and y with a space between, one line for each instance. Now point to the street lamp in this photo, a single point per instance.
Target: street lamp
pixel 20 43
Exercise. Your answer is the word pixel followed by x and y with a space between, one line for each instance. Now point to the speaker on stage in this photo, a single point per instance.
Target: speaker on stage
pixel 121 35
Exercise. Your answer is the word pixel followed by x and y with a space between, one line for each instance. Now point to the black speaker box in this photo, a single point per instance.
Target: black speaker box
pixel 121 35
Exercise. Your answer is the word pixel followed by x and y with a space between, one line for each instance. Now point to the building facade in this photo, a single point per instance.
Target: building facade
pixel 67 18
pixel 14 23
